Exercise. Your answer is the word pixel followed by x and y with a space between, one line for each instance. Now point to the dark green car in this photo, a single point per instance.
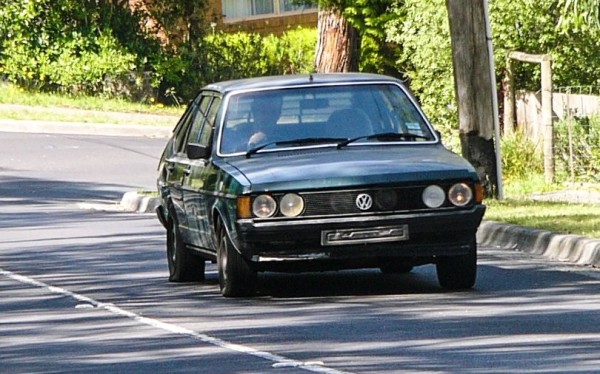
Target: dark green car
pixel 310 173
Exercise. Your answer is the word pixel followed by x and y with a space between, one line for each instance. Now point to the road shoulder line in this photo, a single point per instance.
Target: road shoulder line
pixel 278 361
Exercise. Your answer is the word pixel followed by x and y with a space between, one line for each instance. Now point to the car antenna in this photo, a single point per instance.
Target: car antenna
pixel 310 77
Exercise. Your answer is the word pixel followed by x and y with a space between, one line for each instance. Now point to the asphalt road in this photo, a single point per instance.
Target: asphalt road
pixel 86 290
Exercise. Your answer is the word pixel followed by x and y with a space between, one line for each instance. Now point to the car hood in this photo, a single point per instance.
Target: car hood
pixel 349 167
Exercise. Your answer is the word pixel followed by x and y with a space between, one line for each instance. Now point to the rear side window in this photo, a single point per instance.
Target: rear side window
pixel 199 119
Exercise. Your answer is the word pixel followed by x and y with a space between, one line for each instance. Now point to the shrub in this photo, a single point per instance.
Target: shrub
pixel 291 53
pixel 420 27
pixel 577 149
pixel 224 56
pixel 73 46
pixel 520 157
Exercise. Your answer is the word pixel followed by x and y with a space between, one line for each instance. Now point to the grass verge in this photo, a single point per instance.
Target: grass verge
pixel 23 105
pixel 10 94
pixel 564 218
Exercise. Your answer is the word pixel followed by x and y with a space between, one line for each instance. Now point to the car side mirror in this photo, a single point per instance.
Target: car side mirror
pixel 439 135
pixel 197 151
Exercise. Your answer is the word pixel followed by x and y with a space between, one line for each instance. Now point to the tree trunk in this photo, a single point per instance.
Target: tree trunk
pixel 473 88
pixel 338 45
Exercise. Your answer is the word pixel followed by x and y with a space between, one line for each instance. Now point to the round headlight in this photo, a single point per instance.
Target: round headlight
pixel 434 196
pixel 264 206
pixel 291 205
pixel 460 194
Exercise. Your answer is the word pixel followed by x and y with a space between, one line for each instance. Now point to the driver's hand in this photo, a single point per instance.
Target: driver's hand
pixel 257 138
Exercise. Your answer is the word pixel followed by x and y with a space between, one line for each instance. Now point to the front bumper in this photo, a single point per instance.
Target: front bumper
pixel 360 237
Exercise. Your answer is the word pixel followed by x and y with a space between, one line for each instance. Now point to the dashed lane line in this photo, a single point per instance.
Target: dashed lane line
pixel 277 360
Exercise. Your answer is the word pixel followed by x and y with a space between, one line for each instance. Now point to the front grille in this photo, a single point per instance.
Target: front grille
pixel 335 203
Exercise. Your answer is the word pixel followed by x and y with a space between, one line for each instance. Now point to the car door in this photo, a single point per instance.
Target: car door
pixel 199 177
pixel 175 164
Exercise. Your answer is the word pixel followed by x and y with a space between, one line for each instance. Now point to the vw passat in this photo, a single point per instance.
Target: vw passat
pixel 314 172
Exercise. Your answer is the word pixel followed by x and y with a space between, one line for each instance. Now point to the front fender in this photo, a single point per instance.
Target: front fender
pixel 225 213
pixel 161 213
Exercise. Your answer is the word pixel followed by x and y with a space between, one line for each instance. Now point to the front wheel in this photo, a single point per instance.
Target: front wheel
pixel 183 265
pixel 236 276
pixel 458 272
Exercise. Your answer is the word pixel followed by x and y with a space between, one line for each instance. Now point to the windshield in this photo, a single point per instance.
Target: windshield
pixel 284 117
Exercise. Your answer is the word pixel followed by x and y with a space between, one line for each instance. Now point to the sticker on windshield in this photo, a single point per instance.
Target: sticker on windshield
pixel 414 128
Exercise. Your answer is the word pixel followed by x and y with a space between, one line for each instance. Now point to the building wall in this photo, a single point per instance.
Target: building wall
pixel 269 24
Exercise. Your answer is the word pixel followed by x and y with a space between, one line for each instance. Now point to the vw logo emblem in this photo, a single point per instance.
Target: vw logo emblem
pixel 364 201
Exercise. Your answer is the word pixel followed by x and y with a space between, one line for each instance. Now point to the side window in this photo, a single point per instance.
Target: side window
pixel 198 119
pixel 209 125
pixel 183 126
pixel 204 121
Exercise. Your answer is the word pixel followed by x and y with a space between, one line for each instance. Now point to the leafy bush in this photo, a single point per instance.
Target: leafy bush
pixel 73 46
pixel 291 53
pixel 577 149
pixel 520 157
pixel 421 27
pixel 224 56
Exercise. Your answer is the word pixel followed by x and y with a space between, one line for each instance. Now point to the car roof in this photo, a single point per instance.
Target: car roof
pixel 287 81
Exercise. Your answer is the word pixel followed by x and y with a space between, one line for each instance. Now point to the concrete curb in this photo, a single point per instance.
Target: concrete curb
pixel 570 248
pixel 134 202
pixel 74 128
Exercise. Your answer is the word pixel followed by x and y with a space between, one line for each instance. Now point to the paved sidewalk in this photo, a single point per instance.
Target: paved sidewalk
pixel 54 127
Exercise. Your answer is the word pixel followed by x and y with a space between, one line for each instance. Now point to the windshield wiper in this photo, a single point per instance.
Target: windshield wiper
pixel 301 141
pixel 254 150
pixel 384 137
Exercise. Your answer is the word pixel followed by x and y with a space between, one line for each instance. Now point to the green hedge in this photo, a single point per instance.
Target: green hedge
pixel 74 46
pixel 99 48
pixel 224 56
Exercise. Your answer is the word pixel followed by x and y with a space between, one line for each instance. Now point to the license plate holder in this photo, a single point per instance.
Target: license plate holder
pixel 364 235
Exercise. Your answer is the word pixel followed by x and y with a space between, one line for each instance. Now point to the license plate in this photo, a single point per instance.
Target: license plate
pixel 364 235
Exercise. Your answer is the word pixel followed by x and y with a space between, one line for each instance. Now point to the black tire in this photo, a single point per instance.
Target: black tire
pixel 458 272
pixel 183 265
pixel 396 268
pixel 236 276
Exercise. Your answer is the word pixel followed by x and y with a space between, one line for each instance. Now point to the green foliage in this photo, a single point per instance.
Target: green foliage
pixel 99 47
pixel 421 28
pixel 291 53
pixel 184 20
pixel 92 47
pixel 577 148
pixel 539 27
pixel 223 56
pixel 520 157
pixel 370 18
pixel 232 56
pixel 579 13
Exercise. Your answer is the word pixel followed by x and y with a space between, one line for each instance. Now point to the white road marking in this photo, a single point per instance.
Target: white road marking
pixel 278 361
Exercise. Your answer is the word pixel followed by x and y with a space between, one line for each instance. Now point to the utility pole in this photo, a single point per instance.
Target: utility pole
pixel 474 87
